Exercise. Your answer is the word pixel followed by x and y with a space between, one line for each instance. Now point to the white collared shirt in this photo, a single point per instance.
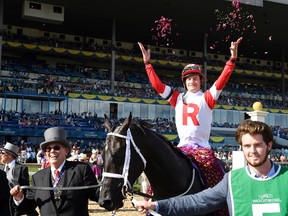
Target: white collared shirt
pixel 10 165
pixel 59 169
pixel 269 175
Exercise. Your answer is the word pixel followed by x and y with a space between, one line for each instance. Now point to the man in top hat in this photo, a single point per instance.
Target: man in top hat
pixel 61 173
pixel 17 173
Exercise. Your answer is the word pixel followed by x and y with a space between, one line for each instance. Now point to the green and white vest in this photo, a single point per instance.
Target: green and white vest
pixel 259 197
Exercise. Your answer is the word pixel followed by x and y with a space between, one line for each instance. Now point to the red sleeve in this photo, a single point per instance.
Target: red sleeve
pixel 161 88
pixel 154 79
pixel 173 99
pixel 209 99
pixel 225 75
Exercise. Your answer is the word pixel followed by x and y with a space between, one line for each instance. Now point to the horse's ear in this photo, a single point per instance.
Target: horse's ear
pixel 107 123
pixel 127 122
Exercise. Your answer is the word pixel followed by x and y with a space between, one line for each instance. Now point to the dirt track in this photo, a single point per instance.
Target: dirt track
pixel 128 209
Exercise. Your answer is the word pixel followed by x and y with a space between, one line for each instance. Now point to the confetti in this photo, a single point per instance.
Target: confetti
pixel 163 33
pixel 235 21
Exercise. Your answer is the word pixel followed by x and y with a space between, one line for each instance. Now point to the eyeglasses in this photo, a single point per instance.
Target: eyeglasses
pixel 192 67
pixel 56 148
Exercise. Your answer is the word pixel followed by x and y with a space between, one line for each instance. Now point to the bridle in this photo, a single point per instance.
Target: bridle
pixel 125 172
pixel 126 167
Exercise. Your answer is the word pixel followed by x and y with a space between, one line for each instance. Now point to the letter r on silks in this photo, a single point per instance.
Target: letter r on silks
pixel 190 111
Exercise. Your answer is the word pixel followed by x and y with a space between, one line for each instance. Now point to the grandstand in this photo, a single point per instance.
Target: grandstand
pixel 62 75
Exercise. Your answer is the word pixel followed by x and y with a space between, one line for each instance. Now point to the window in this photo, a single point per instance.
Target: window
pixel 118 44
pixel 35 6
pixel 46 34
pixel 77 38
pixel 57 9
pixel 61 36
pixel 19 32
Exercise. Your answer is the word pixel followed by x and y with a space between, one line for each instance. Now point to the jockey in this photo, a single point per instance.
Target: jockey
pixel 193 112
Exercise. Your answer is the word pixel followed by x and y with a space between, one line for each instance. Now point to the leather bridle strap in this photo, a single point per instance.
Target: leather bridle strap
pixel 132 191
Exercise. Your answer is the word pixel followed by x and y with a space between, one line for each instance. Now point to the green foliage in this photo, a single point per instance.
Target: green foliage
pixel 137 187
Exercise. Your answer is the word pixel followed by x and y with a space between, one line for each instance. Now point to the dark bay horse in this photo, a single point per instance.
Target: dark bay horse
pixel 131 149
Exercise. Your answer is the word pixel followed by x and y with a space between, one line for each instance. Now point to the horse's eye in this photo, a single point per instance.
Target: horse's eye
pixel 118 154
pixel 108 140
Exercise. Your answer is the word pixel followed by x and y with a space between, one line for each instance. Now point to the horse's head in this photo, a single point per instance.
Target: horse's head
pixel 118 174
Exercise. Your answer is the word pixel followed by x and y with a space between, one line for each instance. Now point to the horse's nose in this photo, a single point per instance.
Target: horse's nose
pixel 105 201
pixel 107 204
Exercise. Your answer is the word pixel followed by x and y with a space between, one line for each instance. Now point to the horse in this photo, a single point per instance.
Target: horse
pixel 133 148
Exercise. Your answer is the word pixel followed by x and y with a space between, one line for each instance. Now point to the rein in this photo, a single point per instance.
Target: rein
pixel 59 188
pixel 125 172
pixel 132 191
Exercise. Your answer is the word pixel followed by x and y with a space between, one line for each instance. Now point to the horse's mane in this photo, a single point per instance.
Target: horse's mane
pixel 146 127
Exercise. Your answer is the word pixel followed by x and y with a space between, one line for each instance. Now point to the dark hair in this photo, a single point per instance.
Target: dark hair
pixel 254 127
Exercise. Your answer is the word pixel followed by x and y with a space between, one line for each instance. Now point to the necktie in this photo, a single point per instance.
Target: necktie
pixel 9 176
pixel 56 174
pixel 7 168
pixel 57 193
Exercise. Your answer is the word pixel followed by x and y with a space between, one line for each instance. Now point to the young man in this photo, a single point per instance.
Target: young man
pixel 61 173
pixel 258 188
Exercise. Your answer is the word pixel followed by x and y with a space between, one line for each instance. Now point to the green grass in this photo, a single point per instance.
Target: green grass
pixel 137 187
pixel 33 169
